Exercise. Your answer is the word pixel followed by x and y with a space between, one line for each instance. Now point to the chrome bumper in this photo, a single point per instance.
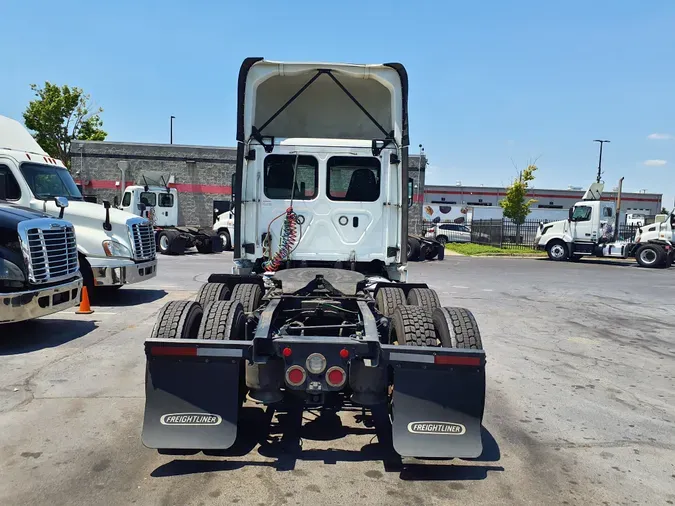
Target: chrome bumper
pixel 124 272
pixel 20 306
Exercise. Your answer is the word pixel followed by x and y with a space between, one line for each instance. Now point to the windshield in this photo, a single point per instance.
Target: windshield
pixel 46 181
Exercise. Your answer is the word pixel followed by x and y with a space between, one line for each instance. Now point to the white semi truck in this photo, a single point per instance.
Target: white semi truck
pixel 591 230
pixel 318 310
pixel 159 204
pixel 114 247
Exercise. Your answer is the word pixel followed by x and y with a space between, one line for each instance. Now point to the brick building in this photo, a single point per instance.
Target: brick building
pixel 202 175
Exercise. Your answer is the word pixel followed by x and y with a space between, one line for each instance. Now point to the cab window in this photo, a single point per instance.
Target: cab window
pixel 165 200
pixel 149 199
pixel 606 212
pixel 12 189
pixel 126 201
pixel 280 174
pixel 581 213
pixel 354 178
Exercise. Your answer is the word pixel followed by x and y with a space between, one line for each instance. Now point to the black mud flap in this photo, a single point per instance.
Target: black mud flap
pixel 437 409
pixel 191 403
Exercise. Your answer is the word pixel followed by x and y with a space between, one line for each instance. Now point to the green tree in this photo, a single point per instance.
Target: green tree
pixel 515 204
pixel 664 210
pixel 60 115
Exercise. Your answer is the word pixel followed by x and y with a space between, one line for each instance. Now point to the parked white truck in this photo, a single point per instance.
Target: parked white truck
pixel 159 204
pixel 590 230
pixel 114 247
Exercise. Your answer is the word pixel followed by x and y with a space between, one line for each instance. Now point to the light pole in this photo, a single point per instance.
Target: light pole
pixel 600 158
pixel 419 174
pixel 171 130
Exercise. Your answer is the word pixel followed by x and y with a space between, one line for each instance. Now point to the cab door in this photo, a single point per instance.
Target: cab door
pixel 582 224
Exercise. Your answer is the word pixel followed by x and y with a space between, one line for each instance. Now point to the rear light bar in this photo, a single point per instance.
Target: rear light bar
pixel 455 360
pixel 194 351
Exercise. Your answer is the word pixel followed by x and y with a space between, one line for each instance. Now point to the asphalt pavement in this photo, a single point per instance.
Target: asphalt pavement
pixel 580 402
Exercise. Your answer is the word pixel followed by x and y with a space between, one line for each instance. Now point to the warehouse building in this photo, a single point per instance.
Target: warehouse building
pixel 202 175
pixel 471 196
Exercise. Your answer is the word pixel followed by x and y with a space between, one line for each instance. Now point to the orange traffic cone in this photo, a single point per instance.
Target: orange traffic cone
pixel 85 308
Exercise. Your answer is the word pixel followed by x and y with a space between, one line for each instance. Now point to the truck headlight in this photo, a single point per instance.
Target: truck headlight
pixel 116 249
pixel 10 271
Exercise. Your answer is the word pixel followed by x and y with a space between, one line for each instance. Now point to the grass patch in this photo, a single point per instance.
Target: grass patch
pixel 482 249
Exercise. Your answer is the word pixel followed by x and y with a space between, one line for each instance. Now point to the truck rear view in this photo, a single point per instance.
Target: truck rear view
pixel 318 308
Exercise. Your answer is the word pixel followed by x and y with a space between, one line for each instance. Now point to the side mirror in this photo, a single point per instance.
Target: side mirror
pixel 3 186
pixel 116 201
pixel 233 186
pixel 410 191
pixel 570 214
pixel 61 203
pixel 106 224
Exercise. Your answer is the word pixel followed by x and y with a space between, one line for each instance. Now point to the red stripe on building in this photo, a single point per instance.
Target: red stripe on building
pixel 532 195
pixel 102 184
pixel 202 188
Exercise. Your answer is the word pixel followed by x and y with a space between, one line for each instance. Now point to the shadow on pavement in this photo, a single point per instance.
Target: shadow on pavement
pixel 34 335
pixel 283 442
pixel 124 297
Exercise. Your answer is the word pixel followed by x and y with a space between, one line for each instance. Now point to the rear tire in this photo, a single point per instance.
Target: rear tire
pixel 223 320
pixel 413 248
pixel 412 326
pixel 388 298
pixel 178 319
pixel 204 246
pixel 557 251
pixel 456 327
pixel 424 297
pixel 212 292
pixel 651 256
pixel 249 294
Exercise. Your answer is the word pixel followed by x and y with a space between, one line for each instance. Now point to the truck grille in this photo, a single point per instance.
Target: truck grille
pixel 50 250
pixel 142 239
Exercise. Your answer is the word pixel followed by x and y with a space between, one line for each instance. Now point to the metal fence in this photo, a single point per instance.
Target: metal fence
pixel 501 233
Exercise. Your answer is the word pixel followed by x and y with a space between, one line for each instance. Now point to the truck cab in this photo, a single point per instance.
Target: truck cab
pixel 114 247
pixel 590 231
pixel 39 270
pixel 321 182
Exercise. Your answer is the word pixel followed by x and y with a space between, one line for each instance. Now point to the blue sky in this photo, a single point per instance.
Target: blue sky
pixel 490 81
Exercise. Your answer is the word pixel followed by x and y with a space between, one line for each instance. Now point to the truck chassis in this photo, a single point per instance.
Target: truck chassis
pixel 176 240
pixel 321 337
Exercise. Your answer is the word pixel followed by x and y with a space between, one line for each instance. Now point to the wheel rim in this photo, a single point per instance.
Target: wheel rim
pixel 164 243
pixel 557 251
pixel 648 256
pixel 223 238
pixel 443 241
pixel 409 249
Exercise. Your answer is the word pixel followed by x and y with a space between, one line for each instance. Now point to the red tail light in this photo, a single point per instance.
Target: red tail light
pixel 336 376
pixel 295 375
